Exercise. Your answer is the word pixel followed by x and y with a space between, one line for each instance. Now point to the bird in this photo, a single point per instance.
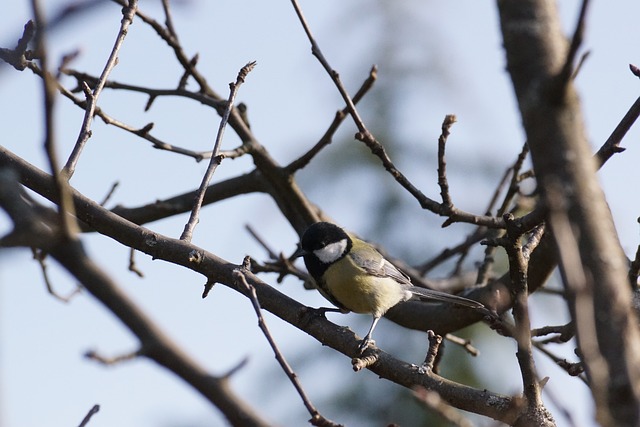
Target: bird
pixel 355 277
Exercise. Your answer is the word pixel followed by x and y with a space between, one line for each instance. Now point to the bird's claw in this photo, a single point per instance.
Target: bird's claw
pixel 365 344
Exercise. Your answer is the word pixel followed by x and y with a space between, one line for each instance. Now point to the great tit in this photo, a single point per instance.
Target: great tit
pixel 355 277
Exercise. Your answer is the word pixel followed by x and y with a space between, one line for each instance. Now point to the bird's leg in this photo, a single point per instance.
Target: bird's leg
pixel 367 341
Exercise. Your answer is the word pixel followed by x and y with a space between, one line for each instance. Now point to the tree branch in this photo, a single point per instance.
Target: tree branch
pixel 536 54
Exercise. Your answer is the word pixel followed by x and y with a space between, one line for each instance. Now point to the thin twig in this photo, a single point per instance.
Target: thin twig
pixel 132 263
pixel 612 144
pixel 40 256
pixel 581 62
pixel 215 158
pixel 203 98
pixel 448 121
pixel 575 369
pixel 272 254
pixel 94 410
pixel 278 263
pixel 518 266
pixel 109 193
pixel 464 343
pixel 17 57
pixel 315 415
pixel 634 270
pixel 168 19
pixel 114 360
pixel 66 209
pixel 166 35
pixel 365 136
pixel 326 139
pixel 143 132
pixel 576 41
pixel 434 401
pixel 430 360
pixel 533 241
pixel 563 333
pixel 473 238
pixel 92 97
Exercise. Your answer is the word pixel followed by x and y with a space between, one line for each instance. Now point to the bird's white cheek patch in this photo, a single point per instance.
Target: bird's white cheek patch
pixel 331 252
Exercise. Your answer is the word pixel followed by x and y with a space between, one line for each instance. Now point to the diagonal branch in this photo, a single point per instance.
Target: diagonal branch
pixel 128 13
pixel 215 158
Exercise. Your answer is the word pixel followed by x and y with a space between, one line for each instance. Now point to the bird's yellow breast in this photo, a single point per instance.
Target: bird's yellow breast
pixel 360 292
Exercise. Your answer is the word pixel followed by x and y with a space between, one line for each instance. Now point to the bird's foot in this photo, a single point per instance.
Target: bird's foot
pixel 365 344
pixel 367 355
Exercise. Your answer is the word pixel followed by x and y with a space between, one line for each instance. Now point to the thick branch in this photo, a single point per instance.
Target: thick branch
pixel 536 54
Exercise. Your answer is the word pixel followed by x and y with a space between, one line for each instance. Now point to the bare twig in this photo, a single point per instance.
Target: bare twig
pixel 167 35
pixel 574 369
pixel 634 270
pixel 464 343
pixel 215 159
pixel 369 358
pixel 109 193
pixel 41 256
pixel 562 333
pixel 316 417
pixel 278 263
pixel 168 21
pixel 569 68
pixel 272 254
pixel 449 120
pixel 612 144
pixel 143 132
pixel 92 97
pixel 65 207
pixel 432 400
pixel 581 62
pixel 94 410
pixel 326 139
pixel 533 241
pixel 364 135
pixel 478 234
pixel 132 263
pixel 430 360
pixel 17 57
pixel 518 266
pixel 207 288
pixel 114 360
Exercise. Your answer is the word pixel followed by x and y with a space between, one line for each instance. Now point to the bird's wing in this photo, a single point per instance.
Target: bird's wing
pixel 373 263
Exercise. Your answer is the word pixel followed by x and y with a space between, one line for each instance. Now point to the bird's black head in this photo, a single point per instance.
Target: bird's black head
pixel 323 244
pixel 321 234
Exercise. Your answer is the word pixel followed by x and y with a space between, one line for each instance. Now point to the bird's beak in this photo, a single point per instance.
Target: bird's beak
pixel 298 253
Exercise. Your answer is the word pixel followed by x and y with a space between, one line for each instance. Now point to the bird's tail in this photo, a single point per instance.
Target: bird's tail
pixel 429 294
